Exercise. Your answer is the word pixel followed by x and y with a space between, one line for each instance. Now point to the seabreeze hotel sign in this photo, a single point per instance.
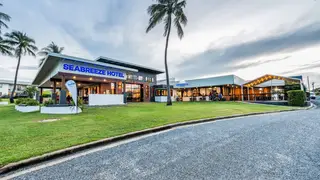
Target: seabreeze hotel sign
pixel 90 70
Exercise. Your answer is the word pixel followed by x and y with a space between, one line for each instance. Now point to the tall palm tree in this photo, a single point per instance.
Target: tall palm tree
pixel 3 17
pixel 165 11
pixel 51 48
pixel 23 45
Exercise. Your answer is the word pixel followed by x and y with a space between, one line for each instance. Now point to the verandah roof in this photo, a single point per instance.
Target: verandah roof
pixel 269 77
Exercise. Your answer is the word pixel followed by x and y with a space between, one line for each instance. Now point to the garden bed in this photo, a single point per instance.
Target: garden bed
pixel 62 109
pixel 25 109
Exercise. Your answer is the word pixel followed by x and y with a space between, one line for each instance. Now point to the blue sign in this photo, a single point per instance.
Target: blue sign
pixel 182 84
pixel 84 69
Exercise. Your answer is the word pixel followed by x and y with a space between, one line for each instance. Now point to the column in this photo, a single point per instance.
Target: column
pixel 254 96
pixel 233 92
pixel 41 98
pixel 54 87
pixel 63 92
pixel 124 92
pixel 63 82
pixel 242 98
pixel 54 95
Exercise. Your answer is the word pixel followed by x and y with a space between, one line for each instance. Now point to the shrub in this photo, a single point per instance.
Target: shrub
pixel 80 103
pixel 27 102
pixel 30 91
pixel 223 99
pixel 296 98
pixel 49 102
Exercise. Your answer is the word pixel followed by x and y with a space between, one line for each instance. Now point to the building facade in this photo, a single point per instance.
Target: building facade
pixel 6 87
pixel 230 87
pixel 100 76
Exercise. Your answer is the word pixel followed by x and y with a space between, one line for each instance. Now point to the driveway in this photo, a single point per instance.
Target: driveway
pixel 274 146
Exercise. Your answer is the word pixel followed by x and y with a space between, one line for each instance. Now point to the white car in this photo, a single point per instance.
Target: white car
pixel 312 95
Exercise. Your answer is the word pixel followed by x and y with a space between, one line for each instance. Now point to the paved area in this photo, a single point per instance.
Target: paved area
pixel 274 146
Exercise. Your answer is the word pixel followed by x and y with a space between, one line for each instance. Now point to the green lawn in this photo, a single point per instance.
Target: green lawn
pixel 5 100
pixel 22 136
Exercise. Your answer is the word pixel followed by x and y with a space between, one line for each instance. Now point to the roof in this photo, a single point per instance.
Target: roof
pixel 268 77
pixel 211 81
pixel 129 65
pixel 9 81
pixel 53 59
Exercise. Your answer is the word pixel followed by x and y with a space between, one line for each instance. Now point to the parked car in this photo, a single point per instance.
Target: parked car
pixel 312 95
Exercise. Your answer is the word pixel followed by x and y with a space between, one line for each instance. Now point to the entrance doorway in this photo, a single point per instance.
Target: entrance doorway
pixel 134 93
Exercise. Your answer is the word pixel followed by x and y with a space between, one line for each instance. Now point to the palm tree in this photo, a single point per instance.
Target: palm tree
pixel 22 45
pixel 164 11
pixel 3 17
pixel 51 48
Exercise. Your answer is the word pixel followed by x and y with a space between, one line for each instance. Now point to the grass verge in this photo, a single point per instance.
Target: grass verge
pixel 22 136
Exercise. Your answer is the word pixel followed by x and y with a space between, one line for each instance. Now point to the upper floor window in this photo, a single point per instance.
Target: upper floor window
pixel 1 85
pixel 129 76
pixel 140 78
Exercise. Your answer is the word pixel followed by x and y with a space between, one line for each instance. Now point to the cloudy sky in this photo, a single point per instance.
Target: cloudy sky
pixel 247 38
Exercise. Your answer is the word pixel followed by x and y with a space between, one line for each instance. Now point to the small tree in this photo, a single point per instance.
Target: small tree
pixel 30 91
pixel 296 98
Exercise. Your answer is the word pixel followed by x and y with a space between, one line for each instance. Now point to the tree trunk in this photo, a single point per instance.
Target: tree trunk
pixel 15 80
pixel 169 102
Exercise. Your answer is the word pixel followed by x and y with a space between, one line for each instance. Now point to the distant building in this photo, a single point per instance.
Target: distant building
pixel 6 86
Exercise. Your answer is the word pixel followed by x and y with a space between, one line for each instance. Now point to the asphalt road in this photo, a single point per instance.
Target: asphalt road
pixel 274 146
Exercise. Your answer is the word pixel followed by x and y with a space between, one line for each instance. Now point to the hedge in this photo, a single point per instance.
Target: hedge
pixel 27 102
pixel 296 98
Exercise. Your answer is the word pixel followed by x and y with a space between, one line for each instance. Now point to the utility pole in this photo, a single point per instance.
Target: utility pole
pixel 312 86
pixel 308 83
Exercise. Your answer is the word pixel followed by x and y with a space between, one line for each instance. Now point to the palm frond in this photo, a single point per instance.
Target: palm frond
pixel 156 17
pixel 154 8
pixel 32 47
pixel 4 16
pixel 181 16
pixel 179 28
pixel 61 49
pixel 43 53
pixel 163 1
pixel 5 49
pixel 30 52
pixel 181 4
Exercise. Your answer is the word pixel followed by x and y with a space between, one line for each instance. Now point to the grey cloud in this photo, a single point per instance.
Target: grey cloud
pixel 253 64
pixel 219 60
pixel 303 68
pixel 22 67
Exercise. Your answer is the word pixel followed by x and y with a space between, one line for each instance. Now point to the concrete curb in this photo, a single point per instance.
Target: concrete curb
pixel 56 154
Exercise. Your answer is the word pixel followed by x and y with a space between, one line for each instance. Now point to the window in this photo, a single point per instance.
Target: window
pixel 134 77
pixel 162 92
pixel 140 78
pixel 149 79
pixel 1 85
pixel 113 88
pixel 129 76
